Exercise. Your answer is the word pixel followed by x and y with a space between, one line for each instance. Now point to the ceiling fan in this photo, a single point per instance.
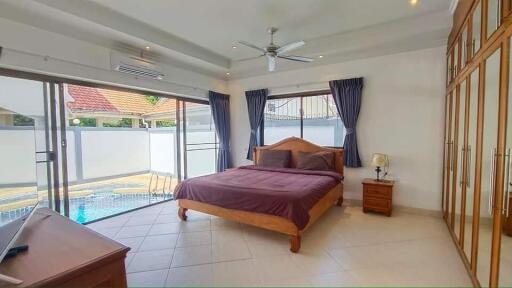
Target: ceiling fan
pixel 273 51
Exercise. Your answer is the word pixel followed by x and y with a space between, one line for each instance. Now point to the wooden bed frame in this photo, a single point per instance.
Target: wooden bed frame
pixel 271 222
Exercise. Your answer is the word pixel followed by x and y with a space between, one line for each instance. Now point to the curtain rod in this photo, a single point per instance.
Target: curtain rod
pixel 299 85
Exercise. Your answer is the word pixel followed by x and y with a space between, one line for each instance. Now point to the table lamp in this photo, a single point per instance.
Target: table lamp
pixel 379 160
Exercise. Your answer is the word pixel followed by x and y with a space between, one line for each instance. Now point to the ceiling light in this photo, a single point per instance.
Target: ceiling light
pixel 413 2
pixel 147 47
pixel 234 47
pixel 321 56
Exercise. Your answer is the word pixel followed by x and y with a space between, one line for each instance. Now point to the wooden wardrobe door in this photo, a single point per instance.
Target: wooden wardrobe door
pixel 488 165
pixel 505 257
pixel 459 181
pixel 446 160
pixel 470 161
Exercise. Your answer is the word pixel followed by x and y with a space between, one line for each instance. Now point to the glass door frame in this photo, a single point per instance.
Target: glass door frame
pixel 53 88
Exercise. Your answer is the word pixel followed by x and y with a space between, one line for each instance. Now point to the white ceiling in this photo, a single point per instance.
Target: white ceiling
pixel 200 33
pixel 218 25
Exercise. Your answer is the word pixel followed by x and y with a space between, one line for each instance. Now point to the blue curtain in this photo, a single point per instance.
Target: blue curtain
pixel 256 100
pixel 347 96
pixel 219 104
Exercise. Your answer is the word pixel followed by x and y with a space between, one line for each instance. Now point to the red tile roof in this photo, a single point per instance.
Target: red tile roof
pixel 88 99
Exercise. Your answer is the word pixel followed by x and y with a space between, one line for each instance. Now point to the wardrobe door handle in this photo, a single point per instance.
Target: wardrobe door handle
pixel 498 16
pixel 461 170
pixel 451 156
pixel 468 170
pixel 506 202
pixel 492 182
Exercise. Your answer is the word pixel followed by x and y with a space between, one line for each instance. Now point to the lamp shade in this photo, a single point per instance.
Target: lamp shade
pixel 379 160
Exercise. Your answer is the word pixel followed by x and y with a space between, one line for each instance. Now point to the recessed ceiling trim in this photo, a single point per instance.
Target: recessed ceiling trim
pixel 116 21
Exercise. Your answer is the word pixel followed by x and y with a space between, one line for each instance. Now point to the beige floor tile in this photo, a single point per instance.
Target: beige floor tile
pixel 293 282
pixel 187 256
pixel 159 242
pixel 229 251
pixel 110 232
pixel 151 260
pixel 190 276
pixel 274 268
pixel 154 278
pixel 346 247
pixel 164 228
pixel 195 226
pixel 235 273
pixel 133 231
pixel 337 279
pixel 137 220
pixel 315 262
pixel 133 243
pixel 194 239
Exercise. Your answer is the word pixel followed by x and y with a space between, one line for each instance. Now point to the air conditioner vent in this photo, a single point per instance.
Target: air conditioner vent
pixel 135 66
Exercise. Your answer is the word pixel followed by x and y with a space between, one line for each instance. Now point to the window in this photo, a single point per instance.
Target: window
pixel 311 116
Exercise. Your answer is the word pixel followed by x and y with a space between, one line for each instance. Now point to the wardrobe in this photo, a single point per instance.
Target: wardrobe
pixel 477 173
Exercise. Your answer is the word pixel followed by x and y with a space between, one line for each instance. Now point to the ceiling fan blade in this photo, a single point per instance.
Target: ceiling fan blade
pixel 290 46
pixel 248 58
pixel 296 58
pixel 252 46
pixel 271 63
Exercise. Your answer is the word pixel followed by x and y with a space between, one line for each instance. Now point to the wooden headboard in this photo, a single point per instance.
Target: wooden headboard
pixel 296 145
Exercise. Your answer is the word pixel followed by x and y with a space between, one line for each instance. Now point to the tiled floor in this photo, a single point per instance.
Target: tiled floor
pixel 344 248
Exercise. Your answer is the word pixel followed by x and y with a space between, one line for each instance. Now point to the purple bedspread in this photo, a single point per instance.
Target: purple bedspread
pixel 284 192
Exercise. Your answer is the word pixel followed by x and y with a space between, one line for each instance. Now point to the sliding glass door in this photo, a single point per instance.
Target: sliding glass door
pixel 30 148
pixel 90 153
pixel 199 140
pixel 121 150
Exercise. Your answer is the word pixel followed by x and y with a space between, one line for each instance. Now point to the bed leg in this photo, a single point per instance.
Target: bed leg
pixel 339 202
pixel 182 213
pixel 294 243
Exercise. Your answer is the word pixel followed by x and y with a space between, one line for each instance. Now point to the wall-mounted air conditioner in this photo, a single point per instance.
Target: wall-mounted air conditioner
pixel 135 66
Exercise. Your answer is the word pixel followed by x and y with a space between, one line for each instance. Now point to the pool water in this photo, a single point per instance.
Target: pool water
pixel 102 203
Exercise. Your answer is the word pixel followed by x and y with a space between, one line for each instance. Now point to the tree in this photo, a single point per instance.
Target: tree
pixel 152 99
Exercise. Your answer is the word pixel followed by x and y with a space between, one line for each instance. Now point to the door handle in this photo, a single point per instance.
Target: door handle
pixel 506 202
pixel 492 182
pixel 461 170
pixel 50 156
pixel 451 156
pixel 468 170
pixel 498 16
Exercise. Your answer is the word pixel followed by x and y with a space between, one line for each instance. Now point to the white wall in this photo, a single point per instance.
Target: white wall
pixel 129 156
pixel 37 50
pixel 17 156
pixel 401 115
pixel 163 150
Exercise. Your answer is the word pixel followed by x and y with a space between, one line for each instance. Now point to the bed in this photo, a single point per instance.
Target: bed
pixel 285 200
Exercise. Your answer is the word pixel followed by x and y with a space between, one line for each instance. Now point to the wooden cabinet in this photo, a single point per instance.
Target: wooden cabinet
pixel 378 196
pixel 477 166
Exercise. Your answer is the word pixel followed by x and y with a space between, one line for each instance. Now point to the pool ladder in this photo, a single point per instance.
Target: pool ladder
pixel 158 175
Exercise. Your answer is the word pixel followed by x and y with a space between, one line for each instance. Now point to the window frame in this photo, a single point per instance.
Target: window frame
pixel 301 95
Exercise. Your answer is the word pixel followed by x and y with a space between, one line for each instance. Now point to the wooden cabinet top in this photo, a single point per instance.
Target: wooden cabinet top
pixel 59 249
pixel 371 181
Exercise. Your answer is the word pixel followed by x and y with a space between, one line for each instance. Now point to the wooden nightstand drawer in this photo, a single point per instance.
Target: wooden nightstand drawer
pixel 376 203
pixel 378 192
pixel 378 196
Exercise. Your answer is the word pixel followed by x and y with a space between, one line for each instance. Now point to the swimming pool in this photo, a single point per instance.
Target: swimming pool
pixel 101 203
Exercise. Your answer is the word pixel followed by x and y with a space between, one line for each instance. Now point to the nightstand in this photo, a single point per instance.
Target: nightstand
pixel 378 196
